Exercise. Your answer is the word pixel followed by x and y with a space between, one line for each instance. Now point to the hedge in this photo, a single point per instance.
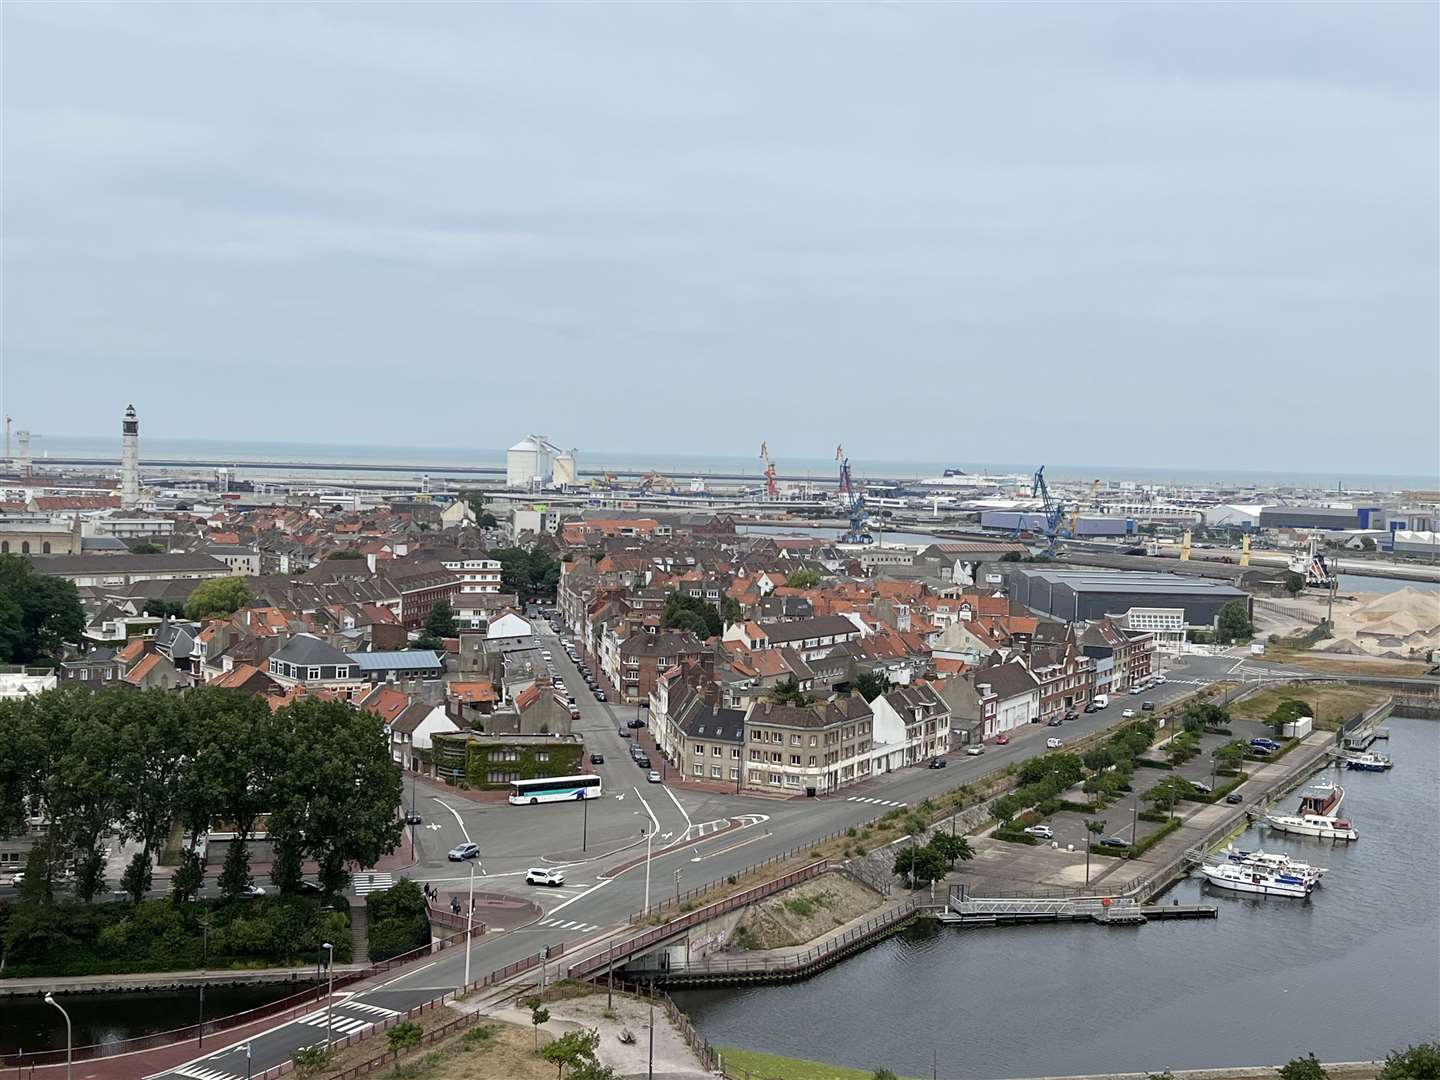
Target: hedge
pixel 1134 851
pixel 1015 836
pixel 399 920
pixel 66 939
pixel 1155 817
pixel 1219 793
pixel 1148 763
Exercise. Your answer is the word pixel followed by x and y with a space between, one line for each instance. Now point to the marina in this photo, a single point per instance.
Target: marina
pixel 1256 984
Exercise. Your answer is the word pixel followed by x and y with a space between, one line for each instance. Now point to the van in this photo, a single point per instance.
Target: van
pixel 1102 700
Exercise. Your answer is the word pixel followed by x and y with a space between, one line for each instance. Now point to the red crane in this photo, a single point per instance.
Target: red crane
pixel 772 490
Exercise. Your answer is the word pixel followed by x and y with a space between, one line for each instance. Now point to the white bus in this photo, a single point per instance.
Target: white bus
pixel 554 789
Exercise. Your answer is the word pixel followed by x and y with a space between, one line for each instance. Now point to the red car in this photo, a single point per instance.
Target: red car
pixel 1002 740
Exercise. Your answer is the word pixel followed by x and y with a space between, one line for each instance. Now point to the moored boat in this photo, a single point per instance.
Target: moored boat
pixel 1321 798
pixel 1254 879
pixel 1321 825
pixel 1278 863
pixel 1369 763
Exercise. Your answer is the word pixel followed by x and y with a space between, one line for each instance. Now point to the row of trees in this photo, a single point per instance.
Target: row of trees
pixel 316 774
pixel 531 572
pixel 701 618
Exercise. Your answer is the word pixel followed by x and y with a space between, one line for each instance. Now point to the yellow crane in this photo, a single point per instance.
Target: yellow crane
pixel 1079 506
pixel 650 481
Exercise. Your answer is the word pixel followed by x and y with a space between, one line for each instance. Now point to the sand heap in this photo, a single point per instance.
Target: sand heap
pixel 1403 624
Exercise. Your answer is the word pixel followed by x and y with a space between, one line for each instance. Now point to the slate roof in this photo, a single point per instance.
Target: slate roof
pixel 309 650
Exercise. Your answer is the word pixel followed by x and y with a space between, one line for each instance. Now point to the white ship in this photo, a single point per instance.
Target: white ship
pixel 1321 825
pixel 1254 879
pixel 1280 864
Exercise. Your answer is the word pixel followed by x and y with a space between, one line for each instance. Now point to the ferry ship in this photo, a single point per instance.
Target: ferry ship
pixel 1254 879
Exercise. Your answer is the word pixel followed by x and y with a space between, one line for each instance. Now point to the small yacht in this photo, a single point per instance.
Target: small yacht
pixel 1369 763
pixel 1322 798
pixel 1254 879
pixel 1321 825
pixel 1280 864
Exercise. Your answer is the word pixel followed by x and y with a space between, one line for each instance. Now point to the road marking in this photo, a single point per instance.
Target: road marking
pixel 205 1074
pixel 654 821
pixel 875 802
pixel 373 883
pixel 407 975
pixel 732 847
pixel 567 903
pixel 434 826
pixel 458 820
pixel 683 814
pixel 379 1010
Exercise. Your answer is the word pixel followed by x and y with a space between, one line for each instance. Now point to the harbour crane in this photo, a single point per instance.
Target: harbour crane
pixel 1052 509
pixel 1079 506
pixel 772 490
pixel 852 501
pixel 654 477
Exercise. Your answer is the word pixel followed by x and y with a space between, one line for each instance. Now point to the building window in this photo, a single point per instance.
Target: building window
pixel 755 776
pixel 794 740
pixel 542 755
pixel 697 770
pixel 25 547
pixel 715 771
pixel 45 548
pixel 699 750
pixel 717 751
pixel 774 778
pixel 812 761
pixel 755 755
pixel 312 673
pixel 794 759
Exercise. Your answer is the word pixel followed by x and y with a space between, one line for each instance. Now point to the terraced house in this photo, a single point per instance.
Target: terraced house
pixel 815 749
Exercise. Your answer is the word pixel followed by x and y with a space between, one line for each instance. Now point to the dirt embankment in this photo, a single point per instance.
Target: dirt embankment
pixel 803 913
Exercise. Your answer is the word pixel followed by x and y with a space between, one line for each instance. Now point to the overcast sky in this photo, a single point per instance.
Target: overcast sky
pixel 1169 235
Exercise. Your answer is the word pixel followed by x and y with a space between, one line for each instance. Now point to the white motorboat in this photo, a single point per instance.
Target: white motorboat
pixel 1279 864
pixel 1369 763
pixel 1254 879
pixel 1321 825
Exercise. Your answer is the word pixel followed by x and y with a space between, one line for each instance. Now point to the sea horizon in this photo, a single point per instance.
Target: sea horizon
pixel 681 466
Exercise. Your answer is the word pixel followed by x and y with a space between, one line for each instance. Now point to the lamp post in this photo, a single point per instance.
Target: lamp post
pixel 677 886
pixel 329 993
pixel 69 1042
pixel 247 1061
pixel 469 925
pixel 585 824
pixel 204 962
pixel 649 835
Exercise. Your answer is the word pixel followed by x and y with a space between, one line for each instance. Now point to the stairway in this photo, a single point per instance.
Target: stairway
pixel 359 933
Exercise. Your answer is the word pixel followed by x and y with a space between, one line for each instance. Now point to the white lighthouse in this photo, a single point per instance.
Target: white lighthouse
pixel 129 458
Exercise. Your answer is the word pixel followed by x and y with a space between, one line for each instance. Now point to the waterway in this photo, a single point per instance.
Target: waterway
pixel 29 1024
pixel 1350 974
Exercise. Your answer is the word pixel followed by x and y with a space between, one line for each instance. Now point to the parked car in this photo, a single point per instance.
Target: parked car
pixel 1234 798
pixel 597 759
pixel 253 890
pixel 938 763
pixel 1128 713
pixel 1259 751
pixel 1090 707
pixel 412 818
pixel 624 733
pixel 1002 740
pixel 1268 744
pixel 1053 744
pixel 1113 842
pixel 643 760
pixel 1137 690
pixel 976 750
pixel 312 888
pixel 1147 706
pixel 653 777
pixel 1202 787
pixel 542 875
pixel 461 852
pixel 599 695
pixel 1159 678
pixel 1044 832
pixel 1054 721
pixel 1071 714
pixel 634 724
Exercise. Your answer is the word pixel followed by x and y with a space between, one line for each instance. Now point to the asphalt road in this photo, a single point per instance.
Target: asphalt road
pixel 607 883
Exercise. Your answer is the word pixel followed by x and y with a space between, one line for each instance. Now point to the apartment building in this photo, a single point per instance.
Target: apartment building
pixel 815 749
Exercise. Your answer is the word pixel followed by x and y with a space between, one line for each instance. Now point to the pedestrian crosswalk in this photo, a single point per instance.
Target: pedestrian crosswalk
pixel 567 924
pixel 875 802
pixel 365 1006
pixel 370 882
pixel 342 1024
pixel 200 1073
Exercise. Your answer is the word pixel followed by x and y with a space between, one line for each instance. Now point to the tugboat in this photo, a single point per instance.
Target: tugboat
pixel 1321 825
pixel 1253 879
pixel 1369 763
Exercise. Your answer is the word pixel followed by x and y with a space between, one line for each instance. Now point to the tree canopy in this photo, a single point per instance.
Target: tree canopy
pixel 691 613
pixel 871 684
pixel 788 692
pixel 1414 1062
pixel 440 623
pixel 803 579
pixel 217 598
pixel 38 614
pixel 531 572
pixel 1233 623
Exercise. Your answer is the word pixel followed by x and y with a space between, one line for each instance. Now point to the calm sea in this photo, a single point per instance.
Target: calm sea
pixel 683 465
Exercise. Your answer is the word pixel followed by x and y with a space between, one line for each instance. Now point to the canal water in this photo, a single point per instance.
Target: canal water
pixel 1349 974
pixel 27 1023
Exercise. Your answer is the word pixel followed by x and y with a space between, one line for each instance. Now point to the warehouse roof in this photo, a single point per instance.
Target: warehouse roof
pixel 1131 581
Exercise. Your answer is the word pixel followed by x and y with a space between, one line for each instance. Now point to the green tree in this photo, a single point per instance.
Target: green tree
pixel 572 1049
pixel 952 849
pixel 1230 755
pixel 1096 828
pixel 919 865
pixel 1413 1063
pixel 1293 582
pixel 440 623
pixel 188 878
pixel 235 873
pixel 164 609
pixel 1367 543
pixel 803 579
pixel 883 1074
pixel 691 613
pixel 475 499
pixel 788 692
pixel 871 684
pixel 528 573
pixel 730 611
pixel 311 1061
pixel 1306 1068
pixel 1233 623
pixel 428 642
pixel 38 614
pixel 538 1015
pixel 136 880
pixel 404 1035
pixel 217 598
pixel 486 520
pixel 1287 712
pixel 145 548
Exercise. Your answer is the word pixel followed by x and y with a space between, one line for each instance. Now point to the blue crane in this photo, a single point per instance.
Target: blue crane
pixel 1053 509
pixel 852 501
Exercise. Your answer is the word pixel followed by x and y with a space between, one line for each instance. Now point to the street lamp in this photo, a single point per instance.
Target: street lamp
pixel 469 924
pixel 649 835
pixel 329 993
pixel 585 825
pixel 69 1041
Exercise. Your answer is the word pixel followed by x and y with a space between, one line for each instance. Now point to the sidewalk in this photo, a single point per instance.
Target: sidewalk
pixel 148 980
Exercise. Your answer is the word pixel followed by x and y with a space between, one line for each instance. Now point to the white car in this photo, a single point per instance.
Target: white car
pixel 975 751
pixel 539 875
pixel 253 890
pixel 1053 744
pixel 1127 714
pixel 654 777
pixel 1044 832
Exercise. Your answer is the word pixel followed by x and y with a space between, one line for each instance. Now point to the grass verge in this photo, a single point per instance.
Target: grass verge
pixel 774 1067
